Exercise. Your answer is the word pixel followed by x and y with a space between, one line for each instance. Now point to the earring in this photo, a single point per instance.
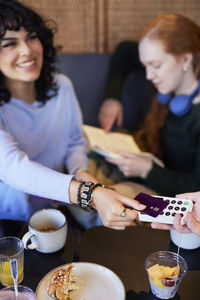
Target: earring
pixel 185 68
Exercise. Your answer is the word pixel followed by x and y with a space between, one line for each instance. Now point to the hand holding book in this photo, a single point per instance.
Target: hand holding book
pixel 106 144
pixel 132 165
pixel 111 145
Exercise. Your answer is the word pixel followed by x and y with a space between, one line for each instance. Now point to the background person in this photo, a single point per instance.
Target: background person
pixel 41 128
pixel 127 90
pixel 171 130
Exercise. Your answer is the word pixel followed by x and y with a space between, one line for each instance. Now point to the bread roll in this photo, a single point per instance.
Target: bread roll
pixel 62 284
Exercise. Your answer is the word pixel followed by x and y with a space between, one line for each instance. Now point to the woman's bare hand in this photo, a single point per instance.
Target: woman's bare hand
pixel 132 165
pixel 110 204
pixel 192 219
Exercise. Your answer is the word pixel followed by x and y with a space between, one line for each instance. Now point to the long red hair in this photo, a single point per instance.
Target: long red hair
pixel 179 35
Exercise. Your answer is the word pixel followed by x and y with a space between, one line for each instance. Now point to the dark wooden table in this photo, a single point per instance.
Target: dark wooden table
pixel 124 253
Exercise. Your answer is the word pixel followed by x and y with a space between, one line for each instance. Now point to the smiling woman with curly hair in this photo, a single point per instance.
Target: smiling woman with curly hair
pixel 13 16
pixel 41 130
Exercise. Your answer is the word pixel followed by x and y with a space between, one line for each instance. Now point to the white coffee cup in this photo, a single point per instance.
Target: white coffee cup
pixel 47 231
pixel 185 240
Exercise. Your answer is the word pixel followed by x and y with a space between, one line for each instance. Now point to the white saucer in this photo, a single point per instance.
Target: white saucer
pixel 94 281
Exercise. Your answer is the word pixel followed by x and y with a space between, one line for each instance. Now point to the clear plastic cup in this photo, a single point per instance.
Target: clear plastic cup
pixel 24 293
pixel 10 248
pixel 165 280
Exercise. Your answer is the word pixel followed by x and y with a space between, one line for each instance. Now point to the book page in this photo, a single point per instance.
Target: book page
pixel 107 144
pixel 110 142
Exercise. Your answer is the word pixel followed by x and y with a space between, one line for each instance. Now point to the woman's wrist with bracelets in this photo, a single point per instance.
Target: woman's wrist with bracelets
pixel 84 194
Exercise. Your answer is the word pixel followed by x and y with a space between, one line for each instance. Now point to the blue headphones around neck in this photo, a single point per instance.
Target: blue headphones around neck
pixel 180 104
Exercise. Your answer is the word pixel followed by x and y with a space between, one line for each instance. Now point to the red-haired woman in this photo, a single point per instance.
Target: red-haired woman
pixel 169 49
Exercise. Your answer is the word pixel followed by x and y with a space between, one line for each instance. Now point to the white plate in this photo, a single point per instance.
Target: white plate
pixel 95 283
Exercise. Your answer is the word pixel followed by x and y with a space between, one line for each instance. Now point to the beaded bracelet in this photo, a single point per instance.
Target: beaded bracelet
pixel 85 194
pixel 79 192
pixel 94 187
pixel 91 190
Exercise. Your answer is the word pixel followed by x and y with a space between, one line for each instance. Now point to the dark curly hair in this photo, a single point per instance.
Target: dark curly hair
pixel 13 16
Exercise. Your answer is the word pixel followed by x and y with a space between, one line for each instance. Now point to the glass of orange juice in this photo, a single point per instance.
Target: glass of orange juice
pixel 11 247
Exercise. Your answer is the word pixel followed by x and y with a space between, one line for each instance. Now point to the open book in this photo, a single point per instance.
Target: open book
pixel 108 144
